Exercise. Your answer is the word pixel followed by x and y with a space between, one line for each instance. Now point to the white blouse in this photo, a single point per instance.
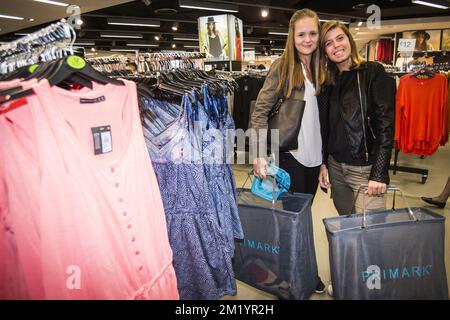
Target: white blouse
pixel 309 152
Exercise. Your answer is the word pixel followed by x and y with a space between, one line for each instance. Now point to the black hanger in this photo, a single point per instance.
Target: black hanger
pixel 65 70
pixel 17 74
pixel 59 71
pixel 424 73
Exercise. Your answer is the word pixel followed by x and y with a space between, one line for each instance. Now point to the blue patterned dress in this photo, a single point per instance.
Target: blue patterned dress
pixel 201 256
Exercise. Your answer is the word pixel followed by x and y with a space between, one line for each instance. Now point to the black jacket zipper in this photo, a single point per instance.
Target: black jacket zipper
pixel 362 117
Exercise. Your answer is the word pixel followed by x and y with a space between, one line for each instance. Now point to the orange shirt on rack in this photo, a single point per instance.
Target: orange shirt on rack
pixel 421 123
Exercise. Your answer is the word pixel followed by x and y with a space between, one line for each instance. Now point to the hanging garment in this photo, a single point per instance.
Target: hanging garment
pixel 199 199
pixel 238 48
pixel 249 88
pixel 403 63
pixel 385 51
pixel 421 114
pixel 219 173
pixel 85 226
pixel 13 273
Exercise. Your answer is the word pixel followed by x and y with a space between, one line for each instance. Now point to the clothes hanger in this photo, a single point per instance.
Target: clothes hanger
pixel 67 68
pixel 63 69
pixel 424 73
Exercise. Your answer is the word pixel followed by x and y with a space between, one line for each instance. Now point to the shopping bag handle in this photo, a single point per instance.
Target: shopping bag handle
pixel 388 188
pixel 268 175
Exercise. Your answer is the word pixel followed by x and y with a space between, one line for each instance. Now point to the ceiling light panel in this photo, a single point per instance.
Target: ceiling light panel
pixel 210 6
pixel 134 22
pixel 55 3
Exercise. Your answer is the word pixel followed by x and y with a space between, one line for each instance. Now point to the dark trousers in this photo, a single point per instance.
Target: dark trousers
pixel 303 179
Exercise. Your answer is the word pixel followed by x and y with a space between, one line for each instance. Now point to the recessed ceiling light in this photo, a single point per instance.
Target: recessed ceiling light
pixel 157 38
pixel 174 45
pixel 124 50
pixel 93 49
pixel 5 16
pixel 79 22
pixel 278 33
pixel 55 3
pixel 264 13
pixel 174 28
pixel 184 39
pixel 142 45
pixel 251 41
pixel 433 3
pixel 341 21
pixel 124 35
pixel 360 24
pixel 84 43
pixel 31 19
pixel 211 6
pixel 134 22
pixel 360 6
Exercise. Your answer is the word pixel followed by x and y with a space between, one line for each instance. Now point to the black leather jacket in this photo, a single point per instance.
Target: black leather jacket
pixel 369 116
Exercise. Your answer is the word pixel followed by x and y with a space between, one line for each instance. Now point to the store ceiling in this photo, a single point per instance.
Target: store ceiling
pixel 169 12
pixel 43 13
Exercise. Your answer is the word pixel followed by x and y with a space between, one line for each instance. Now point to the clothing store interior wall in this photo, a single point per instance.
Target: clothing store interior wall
pixel 168 65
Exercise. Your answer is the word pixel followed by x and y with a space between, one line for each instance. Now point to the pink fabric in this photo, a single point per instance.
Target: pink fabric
pixel 86 226
pixel 17 155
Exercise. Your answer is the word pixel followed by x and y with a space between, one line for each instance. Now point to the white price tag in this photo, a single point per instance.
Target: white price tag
pixel 406 45
pixel 249 56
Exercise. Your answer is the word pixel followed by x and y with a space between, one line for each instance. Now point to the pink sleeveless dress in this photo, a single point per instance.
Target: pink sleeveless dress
pixel 84 226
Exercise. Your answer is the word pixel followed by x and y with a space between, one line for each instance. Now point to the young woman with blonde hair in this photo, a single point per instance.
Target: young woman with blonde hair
pixel 296 73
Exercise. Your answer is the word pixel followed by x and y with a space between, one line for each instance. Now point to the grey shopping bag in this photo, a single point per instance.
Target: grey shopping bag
pixel 277 253
pixel 394 254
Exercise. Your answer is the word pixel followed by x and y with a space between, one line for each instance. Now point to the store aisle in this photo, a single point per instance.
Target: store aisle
pixel 439 169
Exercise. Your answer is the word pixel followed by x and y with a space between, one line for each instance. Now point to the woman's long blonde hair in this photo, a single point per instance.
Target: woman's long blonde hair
pixel 291 73
pixel 331 69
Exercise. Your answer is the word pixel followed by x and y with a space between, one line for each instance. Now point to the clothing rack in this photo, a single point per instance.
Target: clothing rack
pixel 115 65
pixel 436 67
pixel 50 43
pixel 395 167
pixel 165 61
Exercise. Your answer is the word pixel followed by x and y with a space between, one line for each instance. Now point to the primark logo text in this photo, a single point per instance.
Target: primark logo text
pixel 261 246
pixel 374 275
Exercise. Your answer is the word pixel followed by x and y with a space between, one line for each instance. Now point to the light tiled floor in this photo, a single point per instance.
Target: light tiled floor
pixel 439 169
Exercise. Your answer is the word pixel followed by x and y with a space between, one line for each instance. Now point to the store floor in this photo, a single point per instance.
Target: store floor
pixel 439 169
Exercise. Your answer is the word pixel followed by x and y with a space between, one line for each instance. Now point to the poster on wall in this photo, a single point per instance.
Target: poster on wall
pixel 426 40
pixel 221 37
pixel 236 29
pixel 446 39
pixel 213 35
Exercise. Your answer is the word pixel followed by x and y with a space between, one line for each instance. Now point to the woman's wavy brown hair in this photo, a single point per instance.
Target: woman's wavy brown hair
pixel 331 70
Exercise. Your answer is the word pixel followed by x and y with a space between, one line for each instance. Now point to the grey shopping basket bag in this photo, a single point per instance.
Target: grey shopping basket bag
pixel 277 253
pixel 393 254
